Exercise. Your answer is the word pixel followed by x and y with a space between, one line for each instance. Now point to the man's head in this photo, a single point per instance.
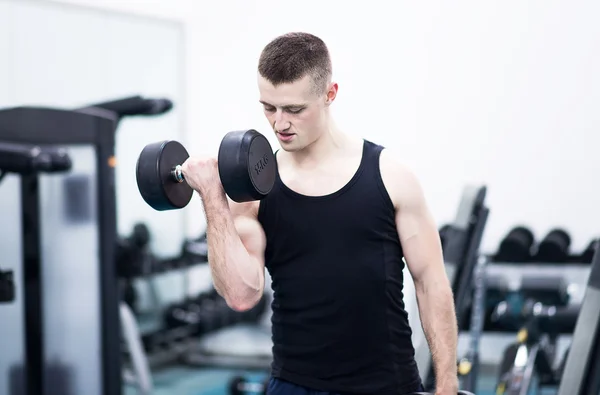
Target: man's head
pixel 294 80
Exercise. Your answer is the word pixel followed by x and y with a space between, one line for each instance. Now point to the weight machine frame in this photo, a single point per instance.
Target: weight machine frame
pixel 46 126
pixel 533 355
pixel 92 125
pixel 581 373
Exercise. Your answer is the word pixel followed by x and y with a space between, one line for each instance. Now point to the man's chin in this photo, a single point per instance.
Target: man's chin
pixel 290 147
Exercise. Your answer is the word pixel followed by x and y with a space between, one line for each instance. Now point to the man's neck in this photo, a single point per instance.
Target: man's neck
pixel 331 141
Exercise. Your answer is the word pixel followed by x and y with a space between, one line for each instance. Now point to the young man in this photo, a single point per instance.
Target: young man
pixel 332 233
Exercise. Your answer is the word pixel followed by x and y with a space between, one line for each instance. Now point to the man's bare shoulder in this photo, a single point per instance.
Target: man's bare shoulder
pixel 399 179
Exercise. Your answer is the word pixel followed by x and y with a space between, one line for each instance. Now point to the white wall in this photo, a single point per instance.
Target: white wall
pixel 504 93
pixel 69 57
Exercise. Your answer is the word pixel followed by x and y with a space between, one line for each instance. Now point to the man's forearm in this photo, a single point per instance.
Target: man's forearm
pixel 438 318
pixel 235 275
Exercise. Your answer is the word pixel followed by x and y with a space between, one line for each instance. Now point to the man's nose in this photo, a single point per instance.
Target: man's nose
pixel 281 123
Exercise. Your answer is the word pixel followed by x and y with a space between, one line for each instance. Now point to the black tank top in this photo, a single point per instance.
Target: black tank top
pixel 339 322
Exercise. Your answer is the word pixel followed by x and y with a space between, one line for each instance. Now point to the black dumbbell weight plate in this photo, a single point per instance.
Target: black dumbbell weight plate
pixel 247 165
pixel 554 247
pixel 155 180
pixel 516 245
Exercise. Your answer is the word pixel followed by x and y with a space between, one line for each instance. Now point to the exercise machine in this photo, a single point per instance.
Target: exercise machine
pixel 544 314
pixel 581 372
pixel 29 162
pixel 66 338
pixel 131 106
pixel 68 326
pixel 461 255
pixel 26 159
pixel 468 365
pixel 489 291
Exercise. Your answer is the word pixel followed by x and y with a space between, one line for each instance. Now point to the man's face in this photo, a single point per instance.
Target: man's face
pixel 298 115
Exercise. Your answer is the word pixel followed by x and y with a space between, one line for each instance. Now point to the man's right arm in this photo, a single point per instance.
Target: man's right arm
pixel 236 245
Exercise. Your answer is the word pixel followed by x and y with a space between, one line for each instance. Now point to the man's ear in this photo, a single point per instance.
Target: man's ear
pixel 331 93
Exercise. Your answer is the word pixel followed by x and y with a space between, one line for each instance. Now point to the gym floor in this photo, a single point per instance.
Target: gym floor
pixel 191 381
pixel 194 381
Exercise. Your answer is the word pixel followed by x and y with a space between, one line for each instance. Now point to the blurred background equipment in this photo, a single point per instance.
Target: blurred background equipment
pixel 579 373
pixel 69 79
pixel 73 206
pixel 516 246
pixel 461 243
pixel 554 247
pixel 134 106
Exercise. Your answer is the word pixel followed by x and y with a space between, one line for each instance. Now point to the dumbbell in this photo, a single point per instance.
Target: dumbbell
pixel 195 251
pixel 588 254
pixel 133 255
pixel 516 246
pixel 239 386
pixel 207 313
pixel 198 311
pixel 215 314
pixel 247 169
pixel 176 315
pixel 554 247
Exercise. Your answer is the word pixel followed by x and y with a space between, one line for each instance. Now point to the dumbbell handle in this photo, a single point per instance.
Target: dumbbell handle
pixel 178 174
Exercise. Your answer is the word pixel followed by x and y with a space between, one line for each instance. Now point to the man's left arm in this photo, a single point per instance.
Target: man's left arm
pixel 422 249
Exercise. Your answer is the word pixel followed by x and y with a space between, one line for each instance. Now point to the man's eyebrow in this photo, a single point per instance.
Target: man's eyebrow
pixel 286 107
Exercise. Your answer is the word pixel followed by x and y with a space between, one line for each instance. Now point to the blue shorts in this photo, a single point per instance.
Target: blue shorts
pixel 281 387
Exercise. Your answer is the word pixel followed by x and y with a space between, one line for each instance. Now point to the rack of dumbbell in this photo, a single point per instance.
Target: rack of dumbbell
pixel 519 245
pixel 167 330
pixel 136 264
pixel 208 312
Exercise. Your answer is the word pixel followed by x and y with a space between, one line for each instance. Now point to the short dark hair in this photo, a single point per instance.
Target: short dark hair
pixel 292 56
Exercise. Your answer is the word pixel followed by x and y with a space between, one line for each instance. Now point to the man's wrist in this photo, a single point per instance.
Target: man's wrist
pixel 214 199
pixel 213 193
pixel 447 384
